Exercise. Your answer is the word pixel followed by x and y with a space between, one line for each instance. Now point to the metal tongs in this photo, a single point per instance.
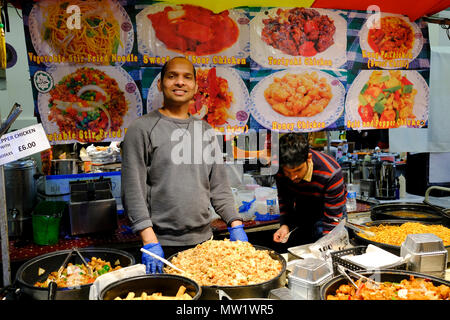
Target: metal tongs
pixel 343 270
pixel 66 261
pixel 12 116
pixel 359 228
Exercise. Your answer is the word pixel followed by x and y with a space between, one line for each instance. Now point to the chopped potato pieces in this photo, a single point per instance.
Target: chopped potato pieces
pixel 181 295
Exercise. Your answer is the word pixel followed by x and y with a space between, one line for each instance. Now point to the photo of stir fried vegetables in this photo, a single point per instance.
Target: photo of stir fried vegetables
pixel 407 289
pixel 213 99
pixel 87 100
pixel 386 98
pixel 78 274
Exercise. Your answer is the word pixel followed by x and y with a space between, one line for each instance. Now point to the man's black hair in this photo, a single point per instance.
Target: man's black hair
pixel 294 149
pixel 164 67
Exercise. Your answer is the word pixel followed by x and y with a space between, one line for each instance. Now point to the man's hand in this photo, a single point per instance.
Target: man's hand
pixel 281 233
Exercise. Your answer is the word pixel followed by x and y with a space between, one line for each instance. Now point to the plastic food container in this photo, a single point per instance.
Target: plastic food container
pixel 307 277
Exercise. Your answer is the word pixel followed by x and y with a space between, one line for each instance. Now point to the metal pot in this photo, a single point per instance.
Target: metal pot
pixel 333 284
pixel 406 211
pixel 167 284
pixel 260 290
pixel 65 166
pixel 20 191
pixel 391 248
pixel 27 275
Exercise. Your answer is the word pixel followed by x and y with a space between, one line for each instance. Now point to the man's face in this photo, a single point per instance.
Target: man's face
pixel 178 85
pixel 296 174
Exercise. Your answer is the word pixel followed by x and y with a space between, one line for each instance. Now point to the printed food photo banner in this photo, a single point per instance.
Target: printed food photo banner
pixel 95 65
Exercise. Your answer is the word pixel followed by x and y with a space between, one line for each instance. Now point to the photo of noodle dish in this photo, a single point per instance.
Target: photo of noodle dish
pixel 170 30
pixel 89 104
pixel 302 100
pixel 226 263
pixel 392 37
pixel 221 99
pixel 104 32
pixel 388 99
pixel 298 37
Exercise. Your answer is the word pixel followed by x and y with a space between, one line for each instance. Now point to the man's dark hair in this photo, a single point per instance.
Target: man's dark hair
pixel 294 149
pixel 164 67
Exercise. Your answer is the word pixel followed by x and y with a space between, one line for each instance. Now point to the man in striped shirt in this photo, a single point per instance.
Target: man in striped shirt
pixel 311 191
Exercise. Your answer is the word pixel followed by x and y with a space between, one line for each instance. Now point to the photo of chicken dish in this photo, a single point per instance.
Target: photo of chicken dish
pixel 194 30
pixel 407 289
pixel 388 99
pixel 299 95
pixel 213 99
pixel 299 31
pixel 394 37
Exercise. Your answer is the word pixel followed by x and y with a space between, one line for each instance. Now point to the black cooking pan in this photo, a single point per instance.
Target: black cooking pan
pixel 333 284
pixel 167 284
pixel 391 248
pixel 406 211
pixel 28 274
pixel 260 290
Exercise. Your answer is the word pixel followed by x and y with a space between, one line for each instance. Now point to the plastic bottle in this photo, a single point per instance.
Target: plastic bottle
pixel 351 198
pixel 402 182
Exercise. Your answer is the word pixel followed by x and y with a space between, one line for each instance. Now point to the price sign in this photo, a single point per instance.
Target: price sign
pixel 22 143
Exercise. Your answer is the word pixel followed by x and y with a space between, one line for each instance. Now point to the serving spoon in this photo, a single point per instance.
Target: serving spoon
pixel 162 260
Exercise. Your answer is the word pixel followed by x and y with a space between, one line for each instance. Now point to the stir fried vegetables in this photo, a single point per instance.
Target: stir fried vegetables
pixel 412 289
pixel 87 99
pixel 386 98
pixel 78 274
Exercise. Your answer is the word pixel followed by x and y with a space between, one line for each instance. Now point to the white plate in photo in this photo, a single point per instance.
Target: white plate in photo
pixel 261 51
pixel 124 81
pixel 150 45
pixel 265 115
pixel 42 47
pixel 239 106
pixel 421 99
pixel 364 33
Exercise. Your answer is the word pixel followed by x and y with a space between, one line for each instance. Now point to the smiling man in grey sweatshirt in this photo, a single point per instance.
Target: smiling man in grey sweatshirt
pixel 167 200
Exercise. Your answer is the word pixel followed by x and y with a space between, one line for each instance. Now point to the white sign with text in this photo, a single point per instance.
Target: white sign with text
pixel 23 143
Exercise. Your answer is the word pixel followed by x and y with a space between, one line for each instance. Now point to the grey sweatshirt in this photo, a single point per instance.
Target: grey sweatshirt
pixel 169 179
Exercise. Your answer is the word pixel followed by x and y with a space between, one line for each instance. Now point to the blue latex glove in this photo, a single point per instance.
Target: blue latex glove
pixel 153 265
pixel 238 233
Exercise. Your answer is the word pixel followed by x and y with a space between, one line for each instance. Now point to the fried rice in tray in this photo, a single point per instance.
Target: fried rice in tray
pixel 226 263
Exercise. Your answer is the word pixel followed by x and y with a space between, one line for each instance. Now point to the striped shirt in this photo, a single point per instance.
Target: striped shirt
pixel 312 205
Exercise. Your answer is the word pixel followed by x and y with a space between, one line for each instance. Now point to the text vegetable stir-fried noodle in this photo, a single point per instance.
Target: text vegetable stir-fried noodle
pixel 396 235
pixel 226 263
pixel 412 289
pixel 87 99
pixel 299 95
pixel 99 34
pixel 387 99
pixel 78 274
pixel 213 99
pixel 394 37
